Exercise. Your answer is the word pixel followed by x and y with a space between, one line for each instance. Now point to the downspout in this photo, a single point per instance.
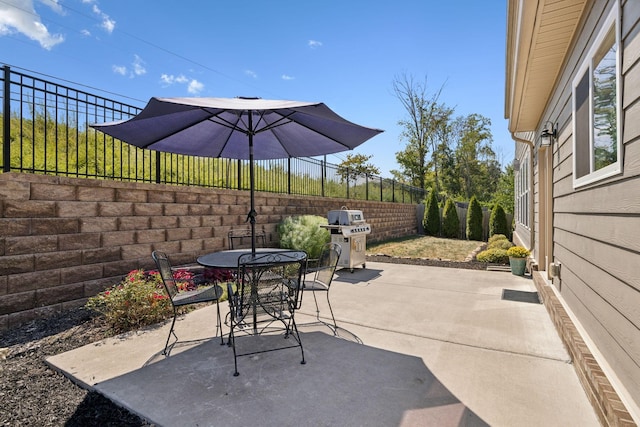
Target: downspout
pixel 532 227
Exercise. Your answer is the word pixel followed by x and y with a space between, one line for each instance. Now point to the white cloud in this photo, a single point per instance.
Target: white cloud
pixel 20 16
pixel 251 74
pixel 86 33
pixel 314 44
pixel 193 86
pixel 286 77
pixel 138 66
pixel 107 24
pixel 120 69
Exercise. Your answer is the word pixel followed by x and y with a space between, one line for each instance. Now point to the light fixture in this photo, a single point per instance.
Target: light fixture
pixel 547 137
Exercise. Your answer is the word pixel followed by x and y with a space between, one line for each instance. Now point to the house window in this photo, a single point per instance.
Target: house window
pixel 522 192
pixel 596 108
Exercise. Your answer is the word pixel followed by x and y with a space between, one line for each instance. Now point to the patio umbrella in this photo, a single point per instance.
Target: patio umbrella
pixel 239 128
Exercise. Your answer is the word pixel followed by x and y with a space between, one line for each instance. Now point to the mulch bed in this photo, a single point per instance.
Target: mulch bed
pixel 33 394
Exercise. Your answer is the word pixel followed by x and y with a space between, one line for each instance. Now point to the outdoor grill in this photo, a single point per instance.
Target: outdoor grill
pixel 349 230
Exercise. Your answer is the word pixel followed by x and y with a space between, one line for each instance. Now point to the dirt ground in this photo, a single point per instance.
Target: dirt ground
pixel 33 394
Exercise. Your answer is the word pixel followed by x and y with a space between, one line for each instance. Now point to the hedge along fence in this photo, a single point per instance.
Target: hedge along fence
pixel 66 239
pixel 461 209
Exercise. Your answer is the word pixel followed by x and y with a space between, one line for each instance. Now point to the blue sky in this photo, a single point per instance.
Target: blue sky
pixel 343 53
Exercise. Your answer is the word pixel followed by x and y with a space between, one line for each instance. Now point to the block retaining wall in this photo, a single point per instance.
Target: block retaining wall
pixel 63 240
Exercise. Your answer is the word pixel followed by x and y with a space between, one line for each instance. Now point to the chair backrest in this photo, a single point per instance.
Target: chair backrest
pixel 327 263
pixel 241 238
pixel 269 281
pixel 166 273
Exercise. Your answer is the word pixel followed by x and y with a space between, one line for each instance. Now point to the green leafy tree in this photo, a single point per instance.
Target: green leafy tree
pixel 498 221
pixel 451 222
pixel 504 195
pixel 356 166
pixel 425 116
pixel 432 215
pixel 474 220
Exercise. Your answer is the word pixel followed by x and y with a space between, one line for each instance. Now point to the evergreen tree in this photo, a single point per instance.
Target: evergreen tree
pixel 474 220
pixel 451 222
pixel 432 215
pixel 498 221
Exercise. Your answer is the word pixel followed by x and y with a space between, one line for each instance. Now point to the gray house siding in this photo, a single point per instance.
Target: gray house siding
pixel 596 227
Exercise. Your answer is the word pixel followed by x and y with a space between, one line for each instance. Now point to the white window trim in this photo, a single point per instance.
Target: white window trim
pixel 613 18
pixel 523 191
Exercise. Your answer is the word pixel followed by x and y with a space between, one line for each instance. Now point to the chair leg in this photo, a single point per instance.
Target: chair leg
pixel 333 328
pixel 171 331
pixel 219 324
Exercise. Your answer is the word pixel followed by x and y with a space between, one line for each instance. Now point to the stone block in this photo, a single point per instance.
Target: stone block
pixel 16 264
pixel 94 287
pixel 4 281
pixel 96 194
pixel 45 191
pixel 192 245
pixel 209 197
pixel 118 209
pixel 150 236
pixel 15 227
pixel 98 224
pixel 69 242
pixel 178 234
pixel 136 251
pixel 167 247
pixel 54 260
pixel 133 223
pixel 14 190
pixel 25 282
pixel 41 226
pixel 117 238
pixel 76 209
pixel 221 210
pixel 30 244
pixel 130 195
pixel 199 210
pixel 227 199
pixel 201 232
pixel 178 209
pixel 161 196
pixel 158 222
pixel 49 296
pixel 28 209
pixel 189 221
pixel 148 209
pixel 187 197
pixel 12 303
pixel 211 221
pixel 119 268
pixel 80 273
pixel 101 255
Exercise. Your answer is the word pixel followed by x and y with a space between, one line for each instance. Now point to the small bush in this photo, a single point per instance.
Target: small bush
pixel 500 244
pixel 496 237
pixel 518 252
pixel 451 222
pixel 474 220
pixel 304 233
pixel 141 300
pixel 498 221
pixel 494 256
pixel 432 216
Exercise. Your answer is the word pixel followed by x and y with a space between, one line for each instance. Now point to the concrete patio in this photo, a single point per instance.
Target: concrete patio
pixel 417 346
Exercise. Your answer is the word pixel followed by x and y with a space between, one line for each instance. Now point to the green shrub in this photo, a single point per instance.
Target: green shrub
pixel 432 216
pixel 474 220
pixel 496 237
pixel 498 221
pixel 494 256
pixel 451 222
pixel 304 233
pixel 518 252
pixel 500 244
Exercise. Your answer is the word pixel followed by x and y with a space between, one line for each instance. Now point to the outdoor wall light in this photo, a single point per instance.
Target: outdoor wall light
pixel 548 136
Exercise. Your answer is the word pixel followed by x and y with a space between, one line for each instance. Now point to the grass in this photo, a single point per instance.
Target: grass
pixel 425 247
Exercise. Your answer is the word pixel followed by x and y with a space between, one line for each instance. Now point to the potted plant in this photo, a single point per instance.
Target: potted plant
pixel 518 259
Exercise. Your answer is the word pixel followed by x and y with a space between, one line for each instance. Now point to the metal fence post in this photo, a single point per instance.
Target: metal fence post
pixel 6 118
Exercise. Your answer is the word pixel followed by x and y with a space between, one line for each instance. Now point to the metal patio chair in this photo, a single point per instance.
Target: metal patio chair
pixel 322 271
pixel 184 298
pixel 265 301
pixel 241 238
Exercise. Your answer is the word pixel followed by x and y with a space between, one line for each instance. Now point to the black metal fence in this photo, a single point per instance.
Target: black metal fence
pixel 45 130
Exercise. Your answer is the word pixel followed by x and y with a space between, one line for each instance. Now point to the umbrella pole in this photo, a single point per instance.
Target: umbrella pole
pixel 252 213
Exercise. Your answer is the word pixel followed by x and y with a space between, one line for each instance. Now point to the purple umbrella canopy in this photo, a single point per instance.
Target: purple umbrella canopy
pixel 239 128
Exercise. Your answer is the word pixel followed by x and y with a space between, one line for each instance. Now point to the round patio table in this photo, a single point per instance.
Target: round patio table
pixel 229 258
